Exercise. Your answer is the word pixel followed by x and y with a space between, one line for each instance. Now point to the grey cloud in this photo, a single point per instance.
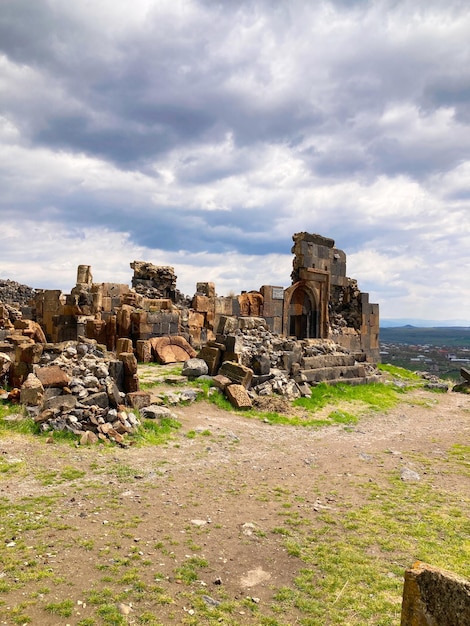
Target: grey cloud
pixel 160 97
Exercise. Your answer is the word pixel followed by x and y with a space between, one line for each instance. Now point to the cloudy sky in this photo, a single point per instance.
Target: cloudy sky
pixel 202 134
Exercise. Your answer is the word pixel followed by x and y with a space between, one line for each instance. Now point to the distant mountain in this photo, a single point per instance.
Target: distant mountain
pixel 418 323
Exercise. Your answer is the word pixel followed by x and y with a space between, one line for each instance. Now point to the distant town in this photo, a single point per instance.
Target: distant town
pixel 441 351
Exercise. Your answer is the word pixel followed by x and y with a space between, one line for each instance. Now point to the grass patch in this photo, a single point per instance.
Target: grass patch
pixel 353 568
pixel 376 396
pixel 63 608
pixel 352 401
pixel 188 571
pixel 156 432
pixel 400 373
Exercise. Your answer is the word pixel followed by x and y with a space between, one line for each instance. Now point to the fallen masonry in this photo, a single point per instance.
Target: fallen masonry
pixel 76 387
pixel 273 342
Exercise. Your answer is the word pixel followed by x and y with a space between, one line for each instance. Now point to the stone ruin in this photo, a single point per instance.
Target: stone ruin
pixel 276 340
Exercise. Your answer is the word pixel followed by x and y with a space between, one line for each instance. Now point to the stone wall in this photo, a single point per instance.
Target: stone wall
pixel 322 302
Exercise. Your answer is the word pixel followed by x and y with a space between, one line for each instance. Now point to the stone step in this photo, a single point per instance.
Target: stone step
pixel 353 381
pixel 325 374
pixel 327 360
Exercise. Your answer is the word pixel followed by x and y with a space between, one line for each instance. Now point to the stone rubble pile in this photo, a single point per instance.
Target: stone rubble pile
pixel 247 361
pixel 12 292
pixel 76 387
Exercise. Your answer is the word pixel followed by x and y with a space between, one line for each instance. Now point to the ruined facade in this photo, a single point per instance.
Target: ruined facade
pixel 321 303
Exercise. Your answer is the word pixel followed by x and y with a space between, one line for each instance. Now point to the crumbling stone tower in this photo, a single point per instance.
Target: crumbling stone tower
pixel 323 302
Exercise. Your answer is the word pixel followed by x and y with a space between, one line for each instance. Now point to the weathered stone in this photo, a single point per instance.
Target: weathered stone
pixel 5 364
pixel 138 399
pixel 409 475
pixel 113 392
pixel 237 373
pixel 465 373
pixel 52 376
pixel 116 371
pixel 44 416
pixel 211 355
pixel 173 349
pixel 29 353
pixel 31 329
pixel 261 364
pixel 131 383
pixel 174 379
pixel 434 597
pixel 144 351
pixel 206 289
pixel 130 363
pixel 61 403
pixel 462 388
pixel 194 368
pixel 88 438
pixel 227 324
pixel 99 399
pixel 221 382
pixel 238 396
pixel 327 374
pixel 32 391
pixel 19 373
pixel 154 411
pixel 328 360
pixel 123 344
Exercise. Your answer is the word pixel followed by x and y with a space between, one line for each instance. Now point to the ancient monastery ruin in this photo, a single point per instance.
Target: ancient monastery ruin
pixel 321 303
pixel 72 359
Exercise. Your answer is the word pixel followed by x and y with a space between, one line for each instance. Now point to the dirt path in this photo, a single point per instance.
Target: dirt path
pixel 216 492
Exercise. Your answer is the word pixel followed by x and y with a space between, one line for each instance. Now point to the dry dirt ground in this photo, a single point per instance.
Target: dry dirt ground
pixel 210 499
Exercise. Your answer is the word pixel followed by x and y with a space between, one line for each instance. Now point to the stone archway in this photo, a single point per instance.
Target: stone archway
pixel 302 312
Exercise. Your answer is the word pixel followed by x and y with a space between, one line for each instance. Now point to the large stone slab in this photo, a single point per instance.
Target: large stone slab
pixel 238 397
pixel 239 374
pixel 52 376
pixel 325 374
pixel 211 355
pixel 327 360
pixel 434 597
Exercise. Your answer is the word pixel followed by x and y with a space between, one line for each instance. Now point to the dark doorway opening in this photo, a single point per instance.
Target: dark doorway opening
pixel 303 316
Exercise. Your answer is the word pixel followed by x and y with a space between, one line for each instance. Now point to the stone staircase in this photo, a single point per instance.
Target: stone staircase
pixel 336 368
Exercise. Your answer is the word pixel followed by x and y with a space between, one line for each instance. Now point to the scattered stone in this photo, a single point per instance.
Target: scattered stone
pixel 193 368
pixel 32 391
pixel 238 397
pixel 154 411
pixel 409 475
pixel 138 399
pixel 88 438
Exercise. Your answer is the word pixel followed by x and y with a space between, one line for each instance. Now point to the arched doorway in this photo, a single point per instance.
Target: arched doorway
pixel 303 314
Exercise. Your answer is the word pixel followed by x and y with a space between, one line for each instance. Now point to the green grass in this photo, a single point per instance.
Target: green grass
pixel 353 561
pixel 188 571
pixel 400 373
pixel 156 432
pixel 353 400
pixel 64 608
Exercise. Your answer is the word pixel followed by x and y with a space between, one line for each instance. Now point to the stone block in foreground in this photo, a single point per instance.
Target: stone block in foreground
pixel 238 397
pixel 434 597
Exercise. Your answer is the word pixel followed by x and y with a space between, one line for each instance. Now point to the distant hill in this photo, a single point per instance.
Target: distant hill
pixel 419 323
pixel 451 337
